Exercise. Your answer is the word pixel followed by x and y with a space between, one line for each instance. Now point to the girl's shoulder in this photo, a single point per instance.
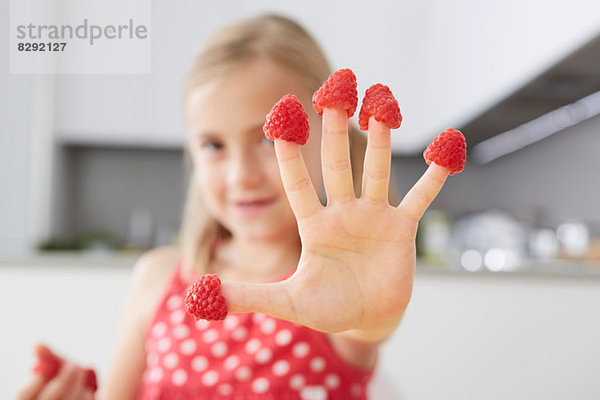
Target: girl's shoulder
pixel 156 266
pixel 151 274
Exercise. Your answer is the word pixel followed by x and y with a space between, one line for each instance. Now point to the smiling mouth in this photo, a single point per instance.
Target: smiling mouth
pixel 255 203
pixel 252 208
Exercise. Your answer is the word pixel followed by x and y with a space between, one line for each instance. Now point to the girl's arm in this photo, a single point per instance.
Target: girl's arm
pixel 129 357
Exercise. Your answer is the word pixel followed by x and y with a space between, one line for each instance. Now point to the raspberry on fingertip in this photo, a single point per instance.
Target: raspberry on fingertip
pixel 448 150
pixel 287 120
pixel 338 91
pixel 205 300
pixel 380 103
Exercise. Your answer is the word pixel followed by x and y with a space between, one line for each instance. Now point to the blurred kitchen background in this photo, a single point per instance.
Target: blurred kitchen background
pixel 507 293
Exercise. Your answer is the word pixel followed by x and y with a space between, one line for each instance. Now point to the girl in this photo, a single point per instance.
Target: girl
pixel 312 290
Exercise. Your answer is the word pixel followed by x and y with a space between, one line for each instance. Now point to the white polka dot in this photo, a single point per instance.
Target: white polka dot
pixel 297 381
pixel 253 345
pixel 243 373
pixel 199 363
pixel 281 368
pixel 225 389
pixel 159 329
pixel 210 378
pixel 356 390
pixel 230 322
pixel 268 326
pixel 231 362
pixel 317 364
pixel 283 337
pixel 152 359
pixel 155 375
pixel 181 331
pixel 163 345
pixel 202 324
pixel 257 317
pixel 174 302
pixel 170 360
pixel 210 335
pixel 263 356
pixel 188 346
pixel 313 393
pixel 260 385
pixel 219 349
pixel 179 377
pixel 332 381
pixel 177 317
pixel 300 349
pixel 239 333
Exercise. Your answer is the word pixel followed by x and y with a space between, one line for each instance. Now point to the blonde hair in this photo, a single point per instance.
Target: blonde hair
pixel 290 46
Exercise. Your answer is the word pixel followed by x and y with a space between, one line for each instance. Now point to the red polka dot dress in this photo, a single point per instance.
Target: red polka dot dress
pixel 244 356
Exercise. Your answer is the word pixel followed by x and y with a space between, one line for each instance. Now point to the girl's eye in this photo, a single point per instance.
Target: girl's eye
pixel 211 145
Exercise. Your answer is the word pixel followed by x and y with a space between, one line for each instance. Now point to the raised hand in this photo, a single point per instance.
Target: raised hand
pixel 356 268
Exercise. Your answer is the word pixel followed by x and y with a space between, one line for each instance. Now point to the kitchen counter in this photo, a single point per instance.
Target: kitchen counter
pixel 530 268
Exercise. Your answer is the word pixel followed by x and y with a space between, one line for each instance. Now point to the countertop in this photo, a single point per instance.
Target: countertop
pixel 529 268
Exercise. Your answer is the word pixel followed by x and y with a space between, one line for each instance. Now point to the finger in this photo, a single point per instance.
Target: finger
pixel 78 388
pixel 297 183
pixel 32 388
pixel 423 192
pixel 61 385
pixel 268 298
pixel 87 395
pixel 376 174
pixel 335 156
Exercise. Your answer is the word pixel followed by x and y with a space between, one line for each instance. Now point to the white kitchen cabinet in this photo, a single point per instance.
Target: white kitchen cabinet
pixel 464 336
pixel 445 62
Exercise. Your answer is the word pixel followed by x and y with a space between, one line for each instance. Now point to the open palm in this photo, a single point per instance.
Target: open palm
pixel 357 263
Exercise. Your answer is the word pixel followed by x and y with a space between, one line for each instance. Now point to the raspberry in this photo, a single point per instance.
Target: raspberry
pixel 49 364
pixel 339 91
pixel 380 103
pixel 287 120
pixel 448 150
pixel 90 379
pixel 204 299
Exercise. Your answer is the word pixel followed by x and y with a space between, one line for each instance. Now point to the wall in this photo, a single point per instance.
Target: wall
pixel 559 174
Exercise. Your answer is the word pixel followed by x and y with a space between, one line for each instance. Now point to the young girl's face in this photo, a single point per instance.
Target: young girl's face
pixel 233 161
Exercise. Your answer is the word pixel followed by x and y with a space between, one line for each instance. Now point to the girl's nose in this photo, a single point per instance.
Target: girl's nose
pixel 244 170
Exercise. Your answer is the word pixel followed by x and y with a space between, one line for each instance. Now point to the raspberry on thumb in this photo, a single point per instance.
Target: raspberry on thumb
pixel 204 299
pixel 209 298
pixel 448 150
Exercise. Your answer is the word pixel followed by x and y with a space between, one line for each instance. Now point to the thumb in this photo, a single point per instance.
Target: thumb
pixel 209 298
pixel 273 299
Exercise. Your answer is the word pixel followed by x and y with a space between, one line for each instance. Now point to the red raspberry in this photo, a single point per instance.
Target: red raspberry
pixel 48 363
pixel 448 150
pixel 204 299
pixel 380 103
pixel 339 91
pixel 287 120
pixel 90 379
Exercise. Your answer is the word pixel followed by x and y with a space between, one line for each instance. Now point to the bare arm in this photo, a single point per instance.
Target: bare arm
pixel 129 356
